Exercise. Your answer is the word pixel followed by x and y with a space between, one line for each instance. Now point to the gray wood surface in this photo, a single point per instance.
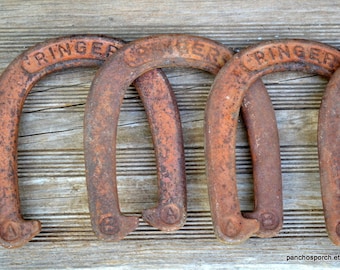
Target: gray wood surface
pixel 51 161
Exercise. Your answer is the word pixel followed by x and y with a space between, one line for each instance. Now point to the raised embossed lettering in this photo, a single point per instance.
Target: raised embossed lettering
pixel 271 53
pixel 283 52
pixel 329 60
pixel 140 54
pixel 96 48
pixel 10 231
pixel 269 220
pixel 315 54
pixel 213 55
pixel 40 57
pixel 170 214
pixel 111 49
pixel 232 228
pixel 198 49
pixel 259 56
pixel 80 47
pixel 182 46
pixel 64 49
pixel 51 52
pixel 299 51
pixel 67 50
pixel 276 54
pixel 109 225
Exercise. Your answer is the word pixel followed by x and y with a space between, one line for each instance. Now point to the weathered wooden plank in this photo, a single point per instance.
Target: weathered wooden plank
pixel 211 13
pixel 297 91
pixel 134 162
pixel 37 130
pixel 152 254
pixel 51 169
pixel 67 194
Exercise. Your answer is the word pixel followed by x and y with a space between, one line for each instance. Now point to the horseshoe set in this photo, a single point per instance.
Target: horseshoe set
pixel 237 86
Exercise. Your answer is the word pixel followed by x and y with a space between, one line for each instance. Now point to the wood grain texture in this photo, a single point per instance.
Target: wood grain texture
pixel 51 161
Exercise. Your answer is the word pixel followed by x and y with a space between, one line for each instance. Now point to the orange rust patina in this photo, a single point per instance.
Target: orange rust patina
pixel 102 114
pixel 329 144
pixel 226 96
pixel 82 51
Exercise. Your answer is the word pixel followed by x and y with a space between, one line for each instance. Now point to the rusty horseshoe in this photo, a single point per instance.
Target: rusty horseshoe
pixel 225 99
pixel 329 159
pixel 176 50
pixel 16 83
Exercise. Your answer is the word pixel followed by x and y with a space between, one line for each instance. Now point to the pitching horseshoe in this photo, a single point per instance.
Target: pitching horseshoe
pixel 173 51
pixel 228 90
pixel 15 84
pixel 329 159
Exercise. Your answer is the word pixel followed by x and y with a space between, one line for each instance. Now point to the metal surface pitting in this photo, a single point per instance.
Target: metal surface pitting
pixel 55 55
pixel 236 86
pixel 329 157
pixel 109 86
pixel 229 88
